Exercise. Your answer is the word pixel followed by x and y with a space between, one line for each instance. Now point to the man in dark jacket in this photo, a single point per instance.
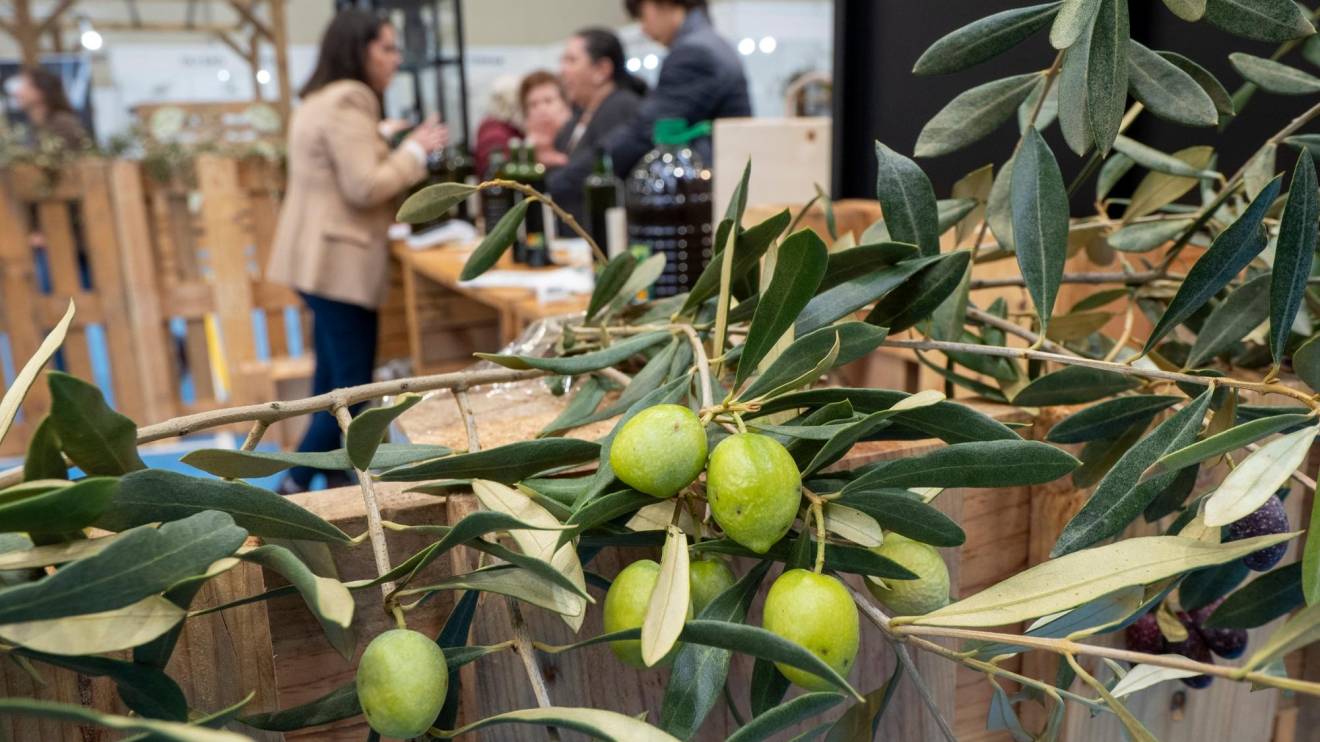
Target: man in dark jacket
pixel 701 78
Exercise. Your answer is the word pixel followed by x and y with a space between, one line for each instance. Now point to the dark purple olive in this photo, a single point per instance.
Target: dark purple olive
pixel 1195 648
pixel 1144 635
pixel 1268 519
pixel 1227 643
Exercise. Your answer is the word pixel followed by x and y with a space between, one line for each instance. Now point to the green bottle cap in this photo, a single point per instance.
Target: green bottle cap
pixel 677 132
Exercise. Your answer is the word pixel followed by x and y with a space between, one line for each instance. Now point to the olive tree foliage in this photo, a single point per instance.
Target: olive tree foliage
pixel 1225 379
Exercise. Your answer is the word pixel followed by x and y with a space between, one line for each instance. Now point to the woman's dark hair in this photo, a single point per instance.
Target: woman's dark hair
pixel 343 54
pixel 634 7
pixel 534 80
pixel 603 44
pixel 51 88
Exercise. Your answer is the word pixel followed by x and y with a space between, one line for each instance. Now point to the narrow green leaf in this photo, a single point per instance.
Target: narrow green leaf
pixel 433 202
pixel 497 240
pixel 850 559
pixel 908 200
pixel 340 703
pixel 853 339
pixel 1074 120
pixel 1069 581
pixel 96 438
pixel 638 281
pixel 1262 600
pixel 1109 418
pixel 1167 90
pixel 368 429
pixel 1274 77
pixel 1122 496
pixel 580 364
pixel 100 632
pixel 327 598
pixel 134 567
pixel 1222 443
pixel 949 421
pixel 1204 586
pixel 17 390
pixel 1157 190
pixel 1153 159
pixel 1306 362
pixel 156 494
pixel 597 723
pixel 1116 166
pixel 44 458
pixel 581 408
pixel 761 643
pixel 1257 477
pixel 1263 20
pixel 61 509
pixel 1188 10
pixel 768 687
pixel 1040 222
pixel 861 720
pixel 979 464
pixel 1208 82
pixel 841 441
pixel 785 715
pixel 508 463
pixel 847 264
pixel 1073 385
pixel 231 463
pixel 798 272
pixel 843 299
pixel 916 298
pixel 1231 251
pixel 163 730
pixel 1074 19
pixel 1311 556
pixel 750 246
pixel 897 511
pixel 612 278
pixel 1234 318
pixel 1101 613
pixel 669 605
pixel 984 39
pixel 973 114
pixel 1294 253
pixel 144 689
pixel 1107 72
pixel 1300 630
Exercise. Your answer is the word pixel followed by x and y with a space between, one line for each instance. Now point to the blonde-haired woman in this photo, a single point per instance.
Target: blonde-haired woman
pixel 501 122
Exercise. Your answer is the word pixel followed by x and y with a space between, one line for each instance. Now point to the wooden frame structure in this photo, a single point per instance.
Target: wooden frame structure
pixel 244 37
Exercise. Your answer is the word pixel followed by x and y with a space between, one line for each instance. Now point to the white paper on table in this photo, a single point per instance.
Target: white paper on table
pixel 548 284
pixel 454 231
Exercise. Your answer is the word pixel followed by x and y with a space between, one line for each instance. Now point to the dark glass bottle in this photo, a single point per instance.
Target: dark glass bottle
pixel 668 196
pixel 602 206
pixel 463 169
pixel 496 201
pixel 535 237
pixel 514 171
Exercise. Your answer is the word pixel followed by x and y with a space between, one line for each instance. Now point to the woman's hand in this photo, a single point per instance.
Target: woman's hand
pixel 431 135
pixel 391 127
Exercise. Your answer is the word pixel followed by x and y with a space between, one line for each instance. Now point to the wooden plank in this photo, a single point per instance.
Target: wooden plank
pixel 198 358
pixel 65 280
pixel 18 284
pixel 103 256
pixel 222 206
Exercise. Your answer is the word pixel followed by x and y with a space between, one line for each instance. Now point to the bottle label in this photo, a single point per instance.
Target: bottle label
pixel 616 231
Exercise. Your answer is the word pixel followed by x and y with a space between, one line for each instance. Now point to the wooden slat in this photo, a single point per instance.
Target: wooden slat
pixel 222 205
pixel 62 258
pixel 151 347
pixel 100 232
pixel 198 357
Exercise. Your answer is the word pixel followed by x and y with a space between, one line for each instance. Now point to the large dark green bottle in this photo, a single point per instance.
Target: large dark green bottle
pixel 602 206
pixel 536 238
pixel 669 205
pixel 515 171
pixel 496 201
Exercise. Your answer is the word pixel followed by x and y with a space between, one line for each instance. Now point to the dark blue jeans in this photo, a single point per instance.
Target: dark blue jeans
pixel 344 336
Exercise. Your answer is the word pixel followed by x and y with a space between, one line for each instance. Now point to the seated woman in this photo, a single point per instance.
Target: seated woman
pixel 604 95
pixel 545 111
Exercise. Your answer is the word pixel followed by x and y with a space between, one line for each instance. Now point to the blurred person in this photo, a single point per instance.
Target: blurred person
pixel 331 240
pixel 40 94
pixel 545 111
pixel 604 96
pixel 701 79
pixel 501 122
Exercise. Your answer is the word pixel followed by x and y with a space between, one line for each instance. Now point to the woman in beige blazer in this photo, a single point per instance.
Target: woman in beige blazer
pixel 331 241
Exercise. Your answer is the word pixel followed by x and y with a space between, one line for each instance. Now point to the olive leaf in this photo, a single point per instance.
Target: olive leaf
pixel 508 463
pixel 597 723
pixel 1121 495
pixel 1074 121
pixel 1073 385
pixel 1069 581
pixel 232 463
pixel 799 268
pixel 750 245
pixel 496 242
pixel 1262 600
pixel 908 200
pixel 800 360
pixel 44 460
pixel 1074 19
pixel 18 389
pixel 1224 442
pixel 1257 477
pixel 984 39
pixel 1040 222
pixel 1274 77
pixel 1208 82
pixel 1157 190
pixel 1242 311
pixel 1188 10
pixel 1167 90
pixel 916 298
pixel 367 430
pixel 1263 20
pixel 163 730
pixel 96 632
pixel 1302 629
pixel 1231 251
pixel 900 512
pixel 668 607
pixel 978 464
pixel 1294 253
pixel 611 279
pixel 973 114
pixel 433 202
pixel 59 509
pixel 580 364
pixel 1107 72
pixel 786 715
pixel 327 598
pixel 1109 418
pixel 96 438
pixel 856 292
pixel 1153 159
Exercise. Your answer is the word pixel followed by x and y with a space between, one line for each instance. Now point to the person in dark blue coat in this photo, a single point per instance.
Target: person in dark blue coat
pixel 701 78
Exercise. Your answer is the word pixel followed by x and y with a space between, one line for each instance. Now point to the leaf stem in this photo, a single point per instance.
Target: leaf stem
pixel 567 218
pixel 379 548
pixel 703 365
pixel 818 512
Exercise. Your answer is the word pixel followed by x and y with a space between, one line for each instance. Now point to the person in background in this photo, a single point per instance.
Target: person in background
pixel 331 239
pixel 40 94
pixel 545 111
pixel 701 78
pixel 604 96
pixel 502 122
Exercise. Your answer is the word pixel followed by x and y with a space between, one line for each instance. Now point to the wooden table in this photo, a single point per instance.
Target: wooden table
pixel 426 273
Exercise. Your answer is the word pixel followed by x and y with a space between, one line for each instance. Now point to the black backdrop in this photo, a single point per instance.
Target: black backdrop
pixel 876 96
